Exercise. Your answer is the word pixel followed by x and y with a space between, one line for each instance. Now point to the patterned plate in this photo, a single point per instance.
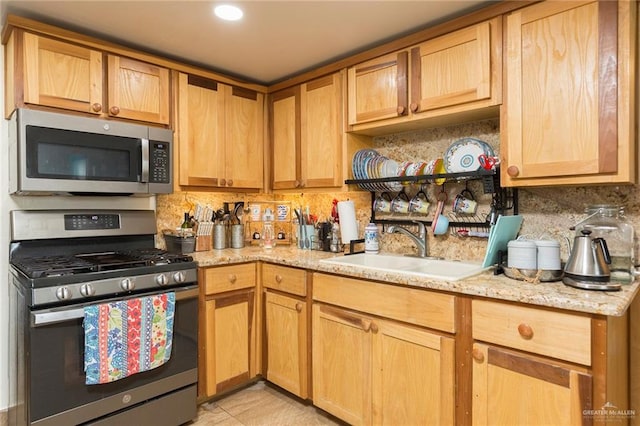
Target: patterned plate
pixel 462 155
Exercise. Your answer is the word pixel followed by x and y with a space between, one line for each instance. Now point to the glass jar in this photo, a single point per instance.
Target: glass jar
pixel 609 222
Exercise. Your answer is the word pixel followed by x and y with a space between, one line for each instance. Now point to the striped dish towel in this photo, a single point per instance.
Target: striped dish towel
pixel 127 337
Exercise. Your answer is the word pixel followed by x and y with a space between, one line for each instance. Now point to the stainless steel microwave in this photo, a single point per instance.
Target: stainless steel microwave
pixel 61 154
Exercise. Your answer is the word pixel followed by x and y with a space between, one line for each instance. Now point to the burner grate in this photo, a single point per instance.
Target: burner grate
pixel 53 266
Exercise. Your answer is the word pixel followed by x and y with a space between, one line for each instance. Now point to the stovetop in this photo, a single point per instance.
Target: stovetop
pixel 85 263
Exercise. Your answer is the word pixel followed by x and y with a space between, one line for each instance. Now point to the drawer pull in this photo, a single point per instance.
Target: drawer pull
pixel 299 307
pixel 278 278
pixel 233 278
pixel 525 331
pixel 477 355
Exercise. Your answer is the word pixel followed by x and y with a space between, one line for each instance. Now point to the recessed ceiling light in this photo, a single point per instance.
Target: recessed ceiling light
pixel 228 12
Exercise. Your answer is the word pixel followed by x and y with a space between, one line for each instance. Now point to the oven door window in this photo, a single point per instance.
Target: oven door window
pixel 56 364
pixel 67 154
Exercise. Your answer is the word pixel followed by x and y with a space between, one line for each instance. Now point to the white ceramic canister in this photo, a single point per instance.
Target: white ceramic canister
pixel 522 254
pixel 371 240
pixel 548 255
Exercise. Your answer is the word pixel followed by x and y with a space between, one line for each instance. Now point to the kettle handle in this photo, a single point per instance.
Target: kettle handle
pixel 605 249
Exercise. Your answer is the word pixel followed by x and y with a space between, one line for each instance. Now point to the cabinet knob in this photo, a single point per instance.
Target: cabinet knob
pixel 230 182
pixel 525 331
pixel 374 328
pixel 299 307
pixel 114 110
pixel 302 184
pixel 297 183
pixel 278 278
pixel 223 182
pixel 233 278
pixel 401 109
pixel 477 355
pixel 413 106
pixel 513 171
pixel 96 107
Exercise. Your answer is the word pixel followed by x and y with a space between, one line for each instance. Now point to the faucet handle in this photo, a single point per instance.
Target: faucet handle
pixel 421 228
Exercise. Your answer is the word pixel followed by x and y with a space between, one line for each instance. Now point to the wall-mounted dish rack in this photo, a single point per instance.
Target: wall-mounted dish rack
pixel 504 200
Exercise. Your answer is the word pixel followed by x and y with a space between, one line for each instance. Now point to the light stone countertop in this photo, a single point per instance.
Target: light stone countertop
pixel 554 295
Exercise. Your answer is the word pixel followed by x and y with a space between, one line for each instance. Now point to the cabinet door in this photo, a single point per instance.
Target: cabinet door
pixel 321 132
pixel 62 75
pixel 378 89
pixel 512 388
pixel 229 322
pixel 200 131
pixel 138 90
pixel 286 335
pixel 453 69
pixel 244 139
pixel 342 363
pixel 413 376
pixel 567 83
pixel 285 138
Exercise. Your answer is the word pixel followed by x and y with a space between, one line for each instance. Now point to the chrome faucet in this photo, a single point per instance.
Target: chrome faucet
pixel 420 240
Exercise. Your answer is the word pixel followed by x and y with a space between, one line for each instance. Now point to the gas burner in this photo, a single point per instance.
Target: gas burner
pixel 54 266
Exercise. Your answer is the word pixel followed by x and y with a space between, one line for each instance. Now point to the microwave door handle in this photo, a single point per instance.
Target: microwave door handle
pixel 145 161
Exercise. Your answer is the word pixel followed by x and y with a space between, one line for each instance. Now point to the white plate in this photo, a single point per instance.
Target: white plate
pixel 462 155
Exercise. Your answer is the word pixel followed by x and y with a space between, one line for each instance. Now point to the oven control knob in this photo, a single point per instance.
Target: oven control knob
pixel 127 284
pixel 87 290
pixel 63 293
pixel 179 277
pixel 162 279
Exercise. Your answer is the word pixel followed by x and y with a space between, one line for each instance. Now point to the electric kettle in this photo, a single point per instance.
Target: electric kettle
pixel 588 264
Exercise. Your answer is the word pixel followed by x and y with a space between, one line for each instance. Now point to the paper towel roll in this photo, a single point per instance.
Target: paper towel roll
pixel 348 223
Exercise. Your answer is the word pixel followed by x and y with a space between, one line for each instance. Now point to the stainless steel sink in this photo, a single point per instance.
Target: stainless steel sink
pixel 446 270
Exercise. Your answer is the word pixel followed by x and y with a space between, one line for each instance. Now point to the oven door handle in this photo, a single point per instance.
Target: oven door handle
pixel 44 318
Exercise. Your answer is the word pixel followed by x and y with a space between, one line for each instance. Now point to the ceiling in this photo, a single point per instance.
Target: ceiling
pixel 274 41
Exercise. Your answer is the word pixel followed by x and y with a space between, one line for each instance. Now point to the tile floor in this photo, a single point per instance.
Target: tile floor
pixel 260 404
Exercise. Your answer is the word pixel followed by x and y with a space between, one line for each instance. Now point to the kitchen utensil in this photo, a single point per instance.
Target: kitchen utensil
pixel 400 204
pixel 588 264
pixel 420 202
pixel 442 198
pixel 505 230
pixel 487 162
pixel 462 155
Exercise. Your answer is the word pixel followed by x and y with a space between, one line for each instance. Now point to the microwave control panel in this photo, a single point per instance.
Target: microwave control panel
pixel 160 163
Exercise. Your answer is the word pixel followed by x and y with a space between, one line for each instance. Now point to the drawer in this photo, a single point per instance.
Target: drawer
pixel 556 334
pixel 407 304
pixel 284 278
pixel 227 278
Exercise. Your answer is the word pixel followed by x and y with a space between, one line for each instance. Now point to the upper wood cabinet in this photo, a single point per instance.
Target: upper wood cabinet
pixel 307 134
pixel 220 134
pixel 137 90
pixel 456 76
pixel 568 116
pixel 68 76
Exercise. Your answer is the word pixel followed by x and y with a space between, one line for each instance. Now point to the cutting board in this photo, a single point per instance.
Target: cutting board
pixel 505 230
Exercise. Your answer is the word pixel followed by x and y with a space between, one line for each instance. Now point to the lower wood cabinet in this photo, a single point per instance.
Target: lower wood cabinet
pixel 286 335
pixel 373 370
pixel 511 388
pixel 227 328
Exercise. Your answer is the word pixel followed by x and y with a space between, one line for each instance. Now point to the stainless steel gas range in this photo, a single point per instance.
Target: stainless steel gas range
pixel 64 261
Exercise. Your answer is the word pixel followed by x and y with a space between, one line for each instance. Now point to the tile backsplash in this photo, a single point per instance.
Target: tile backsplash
pixel 547 211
